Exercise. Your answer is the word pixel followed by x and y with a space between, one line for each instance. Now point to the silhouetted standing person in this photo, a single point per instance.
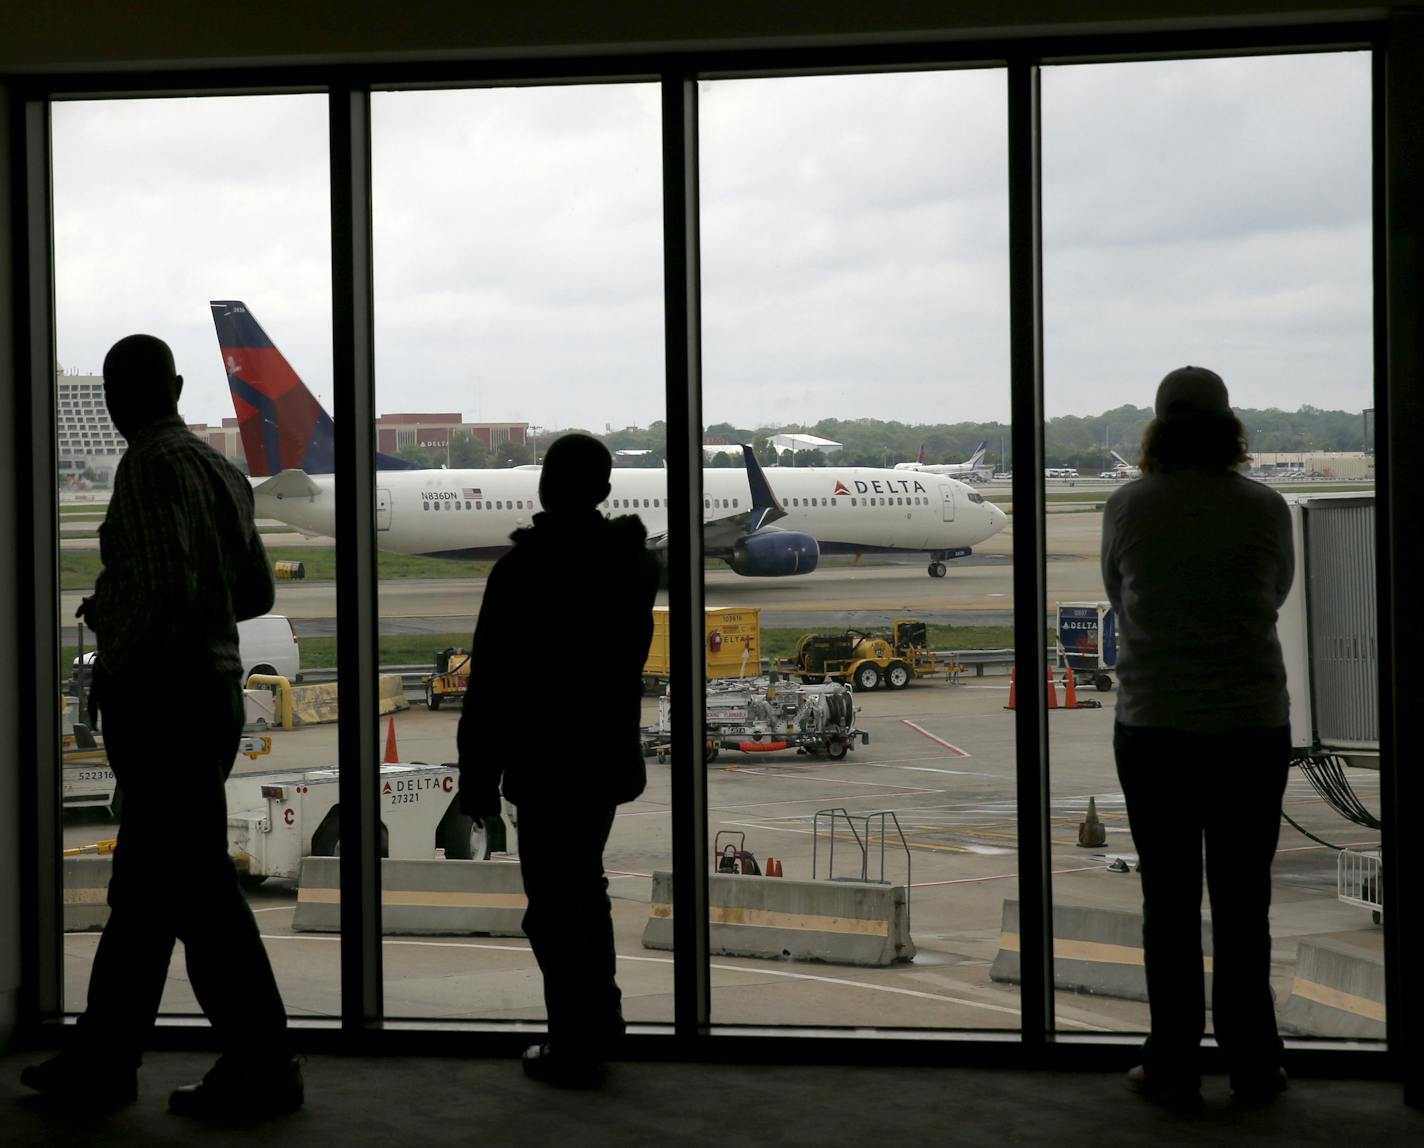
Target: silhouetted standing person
pixel 182 564
pixel 1197 561
pixel 565 752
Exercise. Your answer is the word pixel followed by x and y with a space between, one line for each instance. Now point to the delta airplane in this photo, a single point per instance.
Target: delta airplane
pixel 289 443
pixel 971 471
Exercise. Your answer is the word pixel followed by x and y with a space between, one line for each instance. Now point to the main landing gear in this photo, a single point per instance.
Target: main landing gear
pixel 937 569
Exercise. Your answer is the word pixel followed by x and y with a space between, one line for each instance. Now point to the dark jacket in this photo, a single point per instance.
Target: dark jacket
pixel 554 701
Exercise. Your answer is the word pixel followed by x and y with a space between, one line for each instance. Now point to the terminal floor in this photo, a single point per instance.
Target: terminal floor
pixel 359 1101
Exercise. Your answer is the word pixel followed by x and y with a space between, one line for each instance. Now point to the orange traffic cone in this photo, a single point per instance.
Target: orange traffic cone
pixel 391 754
pixel 773 867
pixel 1052 691
pixel 1070 690
pixel 1013 688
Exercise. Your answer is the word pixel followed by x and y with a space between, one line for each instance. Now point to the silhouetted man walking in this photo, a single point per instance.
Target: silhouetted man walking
pixel 566 756
pixel 1197 560
pixel 182 564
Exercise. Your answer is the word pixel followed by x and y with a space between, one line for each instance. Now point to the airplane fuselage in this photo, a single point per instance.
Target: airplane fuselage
pixel 471 513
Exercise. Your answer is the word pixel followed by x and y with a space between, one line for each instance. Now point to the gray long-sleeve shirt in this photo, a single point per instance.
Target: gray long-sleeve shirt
pixel 1197 567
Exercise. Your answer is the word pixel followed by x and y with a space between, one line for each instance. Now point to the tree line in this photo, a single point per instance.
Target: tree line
pixel 1082 441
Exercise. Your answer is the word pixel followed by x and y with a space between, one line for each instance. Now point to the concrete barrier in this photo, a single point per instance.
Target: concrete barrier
pixel 316 704
pixel 1339 986
pixel 842 922
pixel 420 898
pixel 86 892
pixel 1095 950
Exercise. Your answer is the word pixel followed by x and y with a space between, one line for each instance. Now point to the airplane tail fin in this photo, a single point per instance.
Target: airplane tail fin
pixel 282 424
pixel 920 458
pixel 765 507
pixel 978 456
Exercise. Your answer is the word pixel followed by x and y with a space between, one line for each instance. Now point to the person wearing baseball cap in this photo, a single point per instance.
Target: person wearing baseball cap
pixel 1197 560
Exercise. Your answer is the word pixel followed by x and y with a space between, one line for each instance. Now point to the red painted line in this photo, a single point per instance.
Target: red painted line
pixel 954 749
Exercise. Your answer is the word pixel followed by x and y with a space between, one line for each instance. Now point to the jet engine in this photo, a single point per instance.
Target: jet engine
pixel 775 554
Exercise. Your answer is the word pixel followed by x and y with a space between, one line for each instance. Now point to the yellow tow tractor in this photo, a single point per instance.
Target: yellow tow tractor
pixel 451 677
pixel 865 660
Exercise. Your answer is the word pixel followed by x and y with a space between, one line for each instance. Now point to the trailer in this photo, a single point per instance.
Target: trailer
pixel 451 678
pixel 87 781
pixel 733 645
pixel 767 714
pixel 866 660
pixel 277 817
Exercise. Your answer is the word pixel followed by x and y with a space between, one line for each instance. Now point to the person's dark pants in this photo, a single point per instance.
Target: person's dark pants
pixel 171 747
pixel 1181 787
pixel 569 923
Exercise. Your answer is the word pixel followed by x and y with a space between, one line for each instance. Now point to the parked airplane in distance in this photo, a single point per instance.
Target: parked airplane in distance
pixel 471 513
pixel 972 470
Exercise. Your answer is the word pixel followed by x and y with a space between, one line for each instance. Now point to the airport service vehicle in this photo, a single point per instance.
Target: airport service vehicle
pixel 451 677
pixel 267 644
pixel 763 715
pixel 867 660
pixel 1061 472
pixel 733 645
pixel 760 532
pixel 87 781
pixel 1085 634
pixel 277 817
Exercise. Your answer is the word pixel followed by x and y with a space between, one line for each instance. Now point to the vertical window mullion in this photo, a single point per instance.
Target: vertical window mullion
pixel 1399 412
pixel 38 585
pixel 1030 611
pixel 357 647
pixel 692 972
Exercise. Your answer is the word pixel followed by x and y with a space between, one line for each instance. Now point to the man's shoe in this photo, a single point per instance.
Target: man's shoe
pixel 1259 1090
pixel 233 1090
pixel 83 1081
pixel 562 1071
pixel 1181 1094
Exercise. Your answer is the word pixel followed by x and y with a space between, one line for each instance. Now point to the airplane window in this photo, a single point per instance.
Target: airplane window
pixel 852 502
pixel 795 502
pixel 657 502
pixel 479 506
pixel 645 502
pixel 500 504
pixel 706 504
pixel 467 506
pixel 833 502
pixel 735 503
pixel 425 506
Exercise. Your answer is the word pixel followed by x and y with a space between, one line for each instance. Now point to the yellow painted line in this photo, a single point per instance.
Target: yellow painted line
pixel 98 896
pixel 1339 999
pixel 421 898
pixel 766 919
pixel 1067 949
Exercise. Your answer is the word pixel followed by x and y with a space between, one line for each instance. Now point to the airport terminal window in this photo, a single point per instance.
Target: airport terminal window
pixel 262 232
pixel 480 251
pixel 949 778
pixel 852 286
pixel 1273 181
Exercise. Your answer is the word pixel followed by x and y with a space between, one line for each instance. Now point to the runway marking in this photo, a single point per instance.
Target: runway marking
pixel 936 738
pixel 928 769
pixel 999 877
pixel 844 981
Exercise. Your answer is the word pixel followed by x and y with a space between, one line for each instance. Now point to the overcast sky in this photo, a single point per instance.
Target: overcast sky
pixel 854 236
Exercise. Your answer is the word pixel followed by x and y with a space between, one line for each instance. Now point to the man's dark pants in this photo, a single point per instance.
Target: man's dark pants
pixel 1182 787
pixel 171 749
pixel 569 923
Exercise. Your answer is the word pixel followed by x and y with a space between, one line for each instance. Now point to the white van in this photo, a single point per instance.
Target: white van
pixel 269 645
pixel 266 645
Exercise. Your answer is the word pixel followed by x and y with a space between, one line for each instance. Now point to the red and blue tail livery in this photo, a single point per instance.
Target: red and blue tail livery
pixel 283 426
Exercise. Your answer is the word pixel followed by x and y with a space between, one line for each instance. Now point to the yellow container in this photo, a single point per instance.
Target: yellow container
pixel 732 637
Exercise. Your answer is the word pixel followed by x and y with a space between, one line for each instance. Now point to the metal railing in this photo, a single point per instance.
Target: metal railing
pixel 860 830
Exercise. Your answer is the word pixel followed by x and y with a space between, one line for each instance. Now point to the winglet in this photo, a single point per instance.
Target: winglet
pixel 765 507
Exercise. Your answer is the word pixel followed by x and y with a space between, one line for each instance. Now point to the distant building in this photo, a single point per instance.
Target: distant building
pixel 86 436
pixel 1348 465
pixel 796 440
pixel 434 431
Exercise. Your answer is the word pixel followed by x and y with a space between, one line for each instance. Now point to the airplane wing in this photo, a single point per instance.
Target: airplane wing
pixel 721 533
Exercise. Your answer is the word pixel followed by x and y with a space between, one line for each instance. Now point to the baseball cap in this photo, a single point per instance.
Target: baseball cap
pixel 1191 391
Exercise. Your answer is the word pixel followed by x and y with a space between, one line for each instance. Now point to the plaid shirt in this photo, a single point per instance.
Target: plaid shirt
pixel 183 562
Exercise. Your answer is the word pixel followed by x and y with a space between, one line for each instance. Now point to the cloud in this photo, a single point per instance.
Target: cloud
pixel 854 238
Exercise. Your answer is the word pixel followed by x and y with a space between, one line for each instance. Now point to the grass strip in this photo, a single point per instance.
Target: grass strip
pixel 79 568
